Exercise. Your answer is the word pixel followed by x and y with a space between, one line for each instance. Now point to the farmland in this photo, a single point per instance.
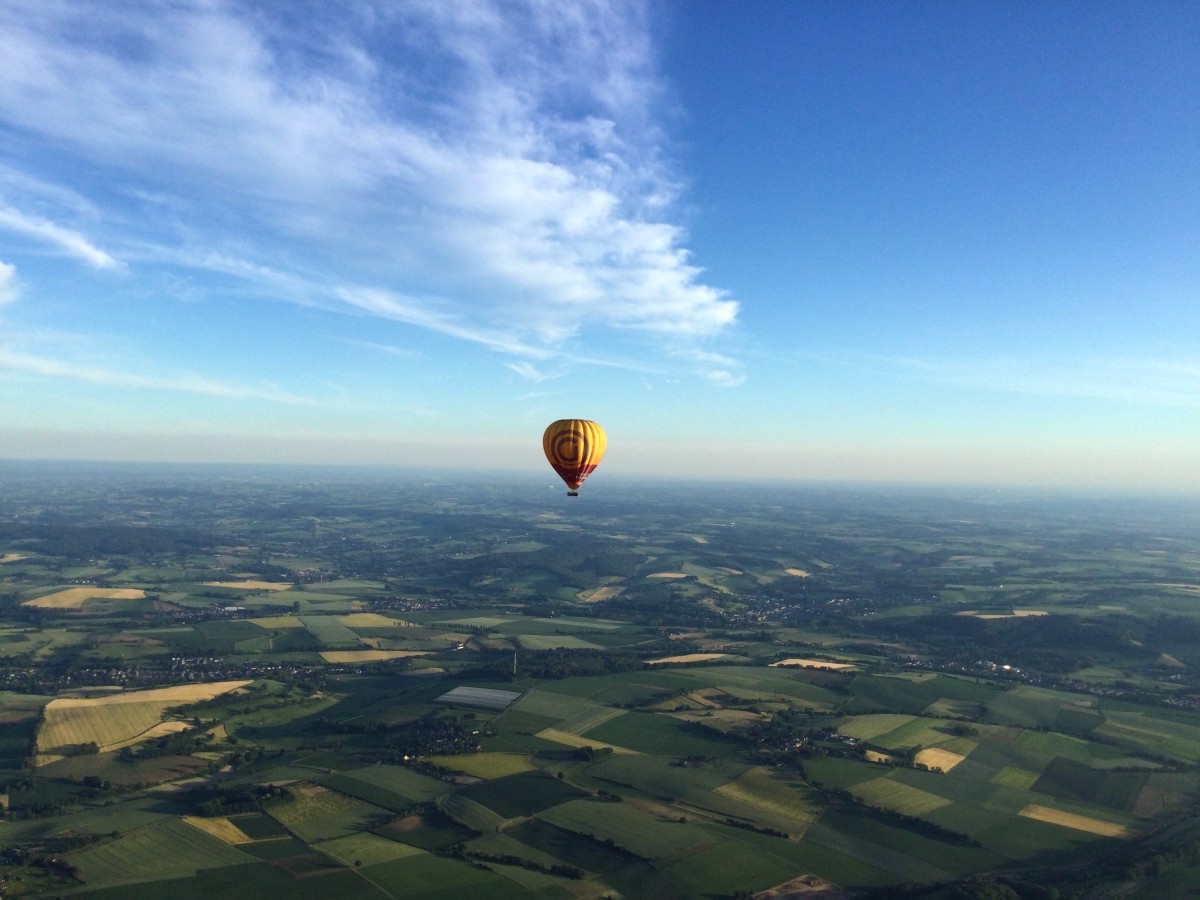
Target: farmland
pixel 341 684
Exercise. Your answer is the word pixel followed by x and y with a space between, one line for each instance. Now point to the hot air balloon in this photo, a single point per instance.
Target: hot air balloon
pixel 574 448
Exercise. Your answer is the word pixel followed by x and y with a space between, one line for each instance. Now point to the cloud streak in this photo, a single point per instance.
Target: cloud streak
pixel 8 283
pixel 190 384
pixel 493 172
pixel 48 232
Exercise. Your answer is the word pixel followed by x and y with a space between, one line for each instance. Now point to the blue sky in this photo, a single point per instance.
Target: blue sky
pixel 920 242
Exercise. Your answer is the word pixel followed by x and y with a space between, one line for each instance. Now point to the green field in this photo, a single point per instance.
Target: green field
pixel 316 813
pixel 1047 747
pixel 635 831
pixel 166 849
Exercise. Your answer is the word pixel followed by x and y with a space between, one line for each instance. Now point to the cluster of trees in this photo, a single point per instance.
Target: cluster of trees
pixel 220 800
pixel 508 859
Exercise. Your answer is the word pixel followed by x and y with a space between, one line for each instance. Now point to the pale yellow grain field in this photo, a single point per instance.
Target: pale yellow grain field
pixel 353 656
pixel 371 620
pixel 668 575
pixel 596 595
pixel 938 759
pixel 813 663
pixel 117 720
pixel 686 658
pixel 575 740
pixel 162 729
pixel 73 598
pixel 220 828
pixel 799 573
pixel 276 622
pixel 1071 820
pixel 12 557
pixel 252 585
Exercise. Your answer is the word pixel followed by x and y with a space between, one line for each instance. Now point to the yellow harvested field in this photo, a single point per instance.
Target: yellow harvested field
pixel 12 557
pixel 762 787
pixel 353 656
pixel 116 720
pixel 685 658
pixel 252 585
pixel 1015 614
pixel 277 622
pixel 575 740
pixel 598 594
pixel 668 575
pixel 73 598
pixel 485 765
pixel 938 759
pixel 877 757
pixel 698 538
pixel 371 620
pixel 162 729
pixel 220 828
pixel 812 663
pixel 799 573
pixel 897 796
pixel 1071 820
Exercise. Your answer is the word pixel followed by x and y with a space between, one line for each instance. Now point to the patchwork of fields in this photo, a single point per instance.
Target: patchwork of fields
pixel 309 690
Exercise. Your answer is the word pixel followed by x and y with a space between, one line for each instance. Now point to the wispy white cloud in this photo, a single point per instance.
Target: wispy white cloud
pixel 377 347
pixel 492 171
pixel 64 238
pixel 530 372
pixel 190 384
pixel 721 370
pixel 8 283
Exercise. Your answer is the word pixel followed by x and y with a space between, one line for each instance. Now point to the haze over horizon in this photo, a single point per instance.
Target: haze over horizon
pixel 908 243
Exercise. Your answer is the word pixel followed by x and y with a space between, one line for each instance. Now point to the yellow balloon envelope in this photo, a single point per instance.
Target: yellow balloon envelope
pixel 574 448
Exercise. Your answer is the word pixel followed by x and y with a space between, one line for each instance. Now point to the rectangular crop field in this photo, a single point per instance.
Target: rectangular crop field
pixel 169 848
pixel 936 758
pixel 765 789
pixel 641 834
pixel 365 656
pixel 552 705
pixel 220 828
pixel 413 786
pixel 73 598
pixel 1077 822
pixel 366 849
pixel 521 795
pixel 328 630
pixel 426 875
pixel 115 720
pixel 1180 740
pixel 485 765
pixel 894 795
pixel 663 735
pixel 574 740
pixel 660 776
pixel 317 813
pixel 252 585
pixel 554 642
